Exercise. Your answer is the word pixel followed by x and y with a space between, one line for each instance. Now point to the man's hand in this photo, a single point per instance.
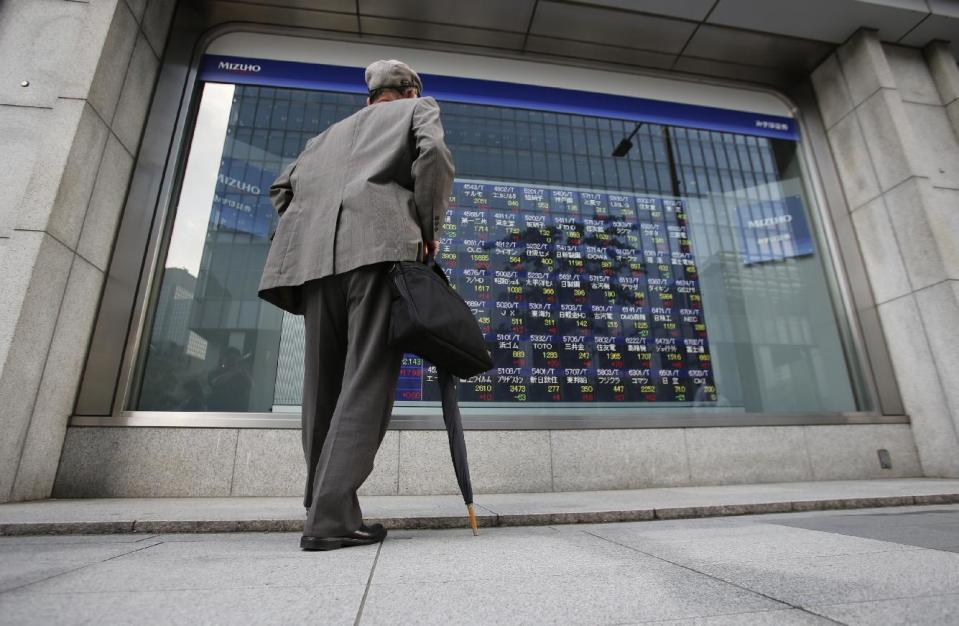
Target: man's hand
pixel 431 247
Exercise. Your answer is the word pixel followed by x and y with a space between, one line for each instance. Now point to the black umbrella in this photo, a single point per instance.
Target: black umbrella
pixel 454 430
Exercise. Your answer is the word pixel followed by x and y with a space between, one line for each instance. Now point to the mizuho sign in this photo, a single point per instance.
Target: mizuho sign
pixel 238 67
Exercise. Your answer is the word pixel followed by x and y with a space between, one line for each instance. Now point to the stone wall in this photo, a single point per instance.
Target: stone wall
pixel 77 81
pixel 158 462
pixel 890 114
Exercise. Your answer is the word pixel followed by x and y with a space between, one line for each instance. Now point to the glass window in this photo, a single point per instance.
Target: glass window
pixel 681 277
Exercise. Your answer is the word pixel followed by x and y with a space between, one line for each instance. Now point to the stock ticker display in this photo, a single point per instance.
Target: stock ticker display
pixel 582 296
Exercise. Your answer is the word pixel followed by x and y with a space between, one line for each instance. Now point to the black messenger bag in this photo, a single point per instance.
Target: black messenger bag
pixel 429 319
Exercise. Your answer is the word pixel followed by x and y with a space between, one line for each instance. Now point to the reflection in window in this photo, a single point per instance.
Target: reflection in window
pixel 214 343
pixel 773 338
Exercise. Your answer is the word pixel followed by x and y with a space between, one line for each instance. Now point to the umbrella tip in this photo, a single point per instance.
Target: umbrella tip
pixel 472 515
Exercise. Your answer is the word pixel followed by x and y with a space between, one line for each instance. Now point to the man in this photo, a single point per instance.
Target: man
pixel 368 191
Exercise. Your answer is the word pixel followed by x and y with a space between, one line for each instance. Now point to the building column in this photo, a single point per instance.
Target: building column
pixel 72 112
pixel 887 110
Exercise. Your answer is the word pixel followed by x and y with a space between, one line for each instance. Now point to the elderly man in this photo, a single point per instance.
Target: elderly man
pixel 369 190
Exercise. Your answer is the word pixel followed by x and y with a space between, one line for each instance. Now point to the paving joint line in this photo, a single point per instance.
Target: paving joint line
pixel 76 569
pixel 34 582
pixel 914 597
pixel 96 592
pixel 716 578
pixel 152 545
pixel 696 617
pixel 369 582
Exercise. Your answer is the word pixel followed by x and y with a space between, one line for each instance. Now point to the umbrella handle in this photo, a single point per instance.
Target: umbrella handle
pixel 472 515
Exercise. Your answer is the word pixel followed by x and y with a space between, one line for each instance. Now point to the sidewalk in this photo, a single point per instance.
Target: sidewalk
pixel 892 565
pixel 201 515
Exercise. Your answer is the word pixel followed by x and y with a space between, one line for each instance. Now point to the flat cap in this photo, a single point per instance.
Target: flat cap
pixel 391 73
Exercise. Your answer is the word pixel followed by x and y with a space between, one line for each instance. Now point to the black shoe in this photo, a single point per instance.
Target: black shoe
pixel 363 536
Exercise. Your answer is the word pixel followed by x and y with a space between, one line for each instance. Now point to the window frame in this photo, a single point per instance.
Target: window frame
pixel 839 286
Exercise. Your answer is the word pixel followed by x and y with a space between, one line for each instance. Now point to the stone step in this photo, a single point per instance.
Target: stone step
pixel 266 514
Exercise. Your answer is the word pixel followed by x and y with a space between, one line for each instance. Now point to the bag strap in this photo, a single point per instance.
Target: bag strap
pixel 431 263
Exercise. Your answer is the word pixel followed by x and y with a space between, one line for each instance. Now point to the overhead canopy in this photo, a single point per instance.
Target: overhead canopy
pixel 766 41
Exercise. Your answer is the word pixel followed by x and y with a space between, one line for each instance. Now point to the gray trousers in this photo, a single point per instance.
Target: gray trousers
pixel 350 377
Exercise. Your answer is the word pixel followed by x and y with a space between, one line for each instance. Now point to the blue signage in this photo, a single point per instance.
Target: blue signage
pixel 272 73
pixel 240 199
pixel 773 230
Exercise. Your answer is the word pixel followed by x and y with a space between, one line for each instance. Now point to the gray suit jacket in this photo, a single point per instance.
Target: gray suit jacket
pixel 368 189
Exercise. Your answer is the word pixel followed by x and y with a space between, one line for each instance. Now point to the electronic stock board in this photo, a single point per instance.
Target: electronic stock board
pixel 583 296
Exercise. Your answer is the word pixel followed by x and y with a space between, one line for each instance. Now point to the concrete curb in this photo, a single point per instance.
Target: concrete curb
pixel 492 519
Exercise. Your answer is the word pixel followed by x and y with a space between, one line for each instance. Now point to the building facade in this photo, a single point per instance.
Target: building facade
pixel 710 242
